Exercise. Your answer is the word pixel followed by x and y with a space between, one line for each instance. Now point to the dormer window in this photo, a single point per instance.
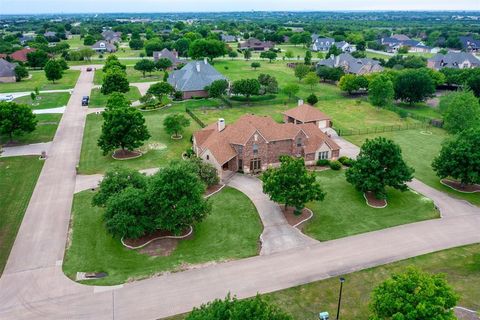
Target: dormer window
pixel 299 142
pixel 255 149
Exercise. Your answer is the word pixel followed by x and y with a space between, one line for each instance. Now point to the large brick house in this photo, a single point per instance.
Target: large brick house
pixel 254 143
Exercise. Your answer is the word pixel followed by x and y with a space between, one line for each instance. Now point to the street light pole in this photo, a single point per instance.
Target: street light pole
pixel 342 280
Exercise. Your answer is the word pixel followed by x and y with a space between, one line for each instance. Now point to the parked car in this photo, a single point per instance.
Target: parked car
pixel 8 97
pixel 89 69
pixel 85 100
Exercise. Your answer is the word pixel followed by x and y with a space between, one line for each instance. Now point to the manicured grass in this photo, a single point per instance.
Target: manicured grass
pixel 376 55
pixel 39 80
pixel 44 132
pixel 461 266
pixel 344 211
pixel 158 150
pixel 421 109
pixel 18 176
pixel 132 75
pixel 419 150
pixel 217 238
pixel 297 50
pixel 46 100
pixel 99 100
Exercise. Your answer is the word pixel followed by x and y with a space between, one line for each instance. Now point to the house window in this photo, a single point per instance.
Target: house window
pixel 322 155
pixel 208 157
pixel 299 142
pixel 255 149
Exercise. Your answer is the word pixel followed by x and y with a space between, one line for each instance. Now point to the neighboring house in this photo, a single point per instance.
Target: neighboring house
pixel 25 38
pixel 228 38
pixel 103 46
pixel 170 55
pixel 322 44
pixel 345 46
pixel 111 36
pixel 305 113
pixel 470 44
pixel 7 71
pixel 401 37
pixel 358 66
pixel 256 45
pixel 396 42
pixel 457 60
pixel 50 34
pixel 192 79
pixel 255 143
pixel 21 55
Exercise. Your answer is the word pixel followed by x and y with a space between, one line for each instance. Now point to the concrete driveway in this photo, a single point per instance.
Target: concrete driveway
pixel 26 150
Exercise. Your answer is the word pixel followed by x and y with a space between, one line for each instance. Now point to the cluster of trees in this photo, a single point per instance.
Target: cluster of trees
pixel 466 78
pixel 264 84
pixel 16 119
pixel 353 83
pixel 146 65
pixel 137 205
pixel 114 76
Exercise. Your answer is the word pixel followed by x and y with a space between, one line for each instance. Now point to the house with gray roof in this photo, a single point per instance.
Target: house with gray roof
pixel 349 64
pixel 456 60
pixel 397 41
pixel 470 44
pixel 192 79
pixel 111 36
pixel 345 46
pixel 7 71
pixel 228 38
pixel 103 46
pixel 322 44
pixel 167 54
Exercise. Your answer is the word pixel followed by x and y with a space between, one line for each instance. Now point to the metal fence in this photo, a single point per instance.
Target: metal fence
pixel 194 117
pixel 407 126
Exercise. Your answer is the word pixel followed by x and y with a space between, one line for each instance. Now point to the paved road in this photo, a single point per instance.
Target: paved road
pixel 26 150
pixel 33 285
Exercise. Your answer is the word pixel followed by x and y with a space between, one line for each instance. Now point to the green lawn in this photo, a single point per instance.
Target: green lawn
pixel 376 55
pixel 16 187
pixel 419 150
pixel 159 149
pixel 44 132
pixel 217 238
pixel 297 50
pixel 39 80
pixel 46 100
pixel 132 75
pixel 99 100
pixel 344 211
pixel 421 109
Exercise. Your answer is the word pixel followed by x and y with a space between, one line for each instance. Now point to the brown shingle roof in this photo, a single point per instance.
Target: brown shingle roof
pixel 306 113
pixel 316 138
pixel 21 55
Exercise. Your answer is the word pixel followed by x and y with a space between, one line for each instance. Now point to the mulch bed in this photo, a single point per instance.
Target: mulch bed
pixel 471 188
pixel 125 154
pixel 318 168
pixel 292 219
pixel 465 315
pixel 160 247
pixel 373 201
pixel 213 189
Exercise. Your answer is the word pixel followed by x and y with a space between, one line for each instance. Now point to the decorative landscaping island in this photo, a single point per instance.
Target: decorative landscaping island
pixel 294 220
pixel 125 154
pixel 457 186
pixel 373 201
pixel 159 243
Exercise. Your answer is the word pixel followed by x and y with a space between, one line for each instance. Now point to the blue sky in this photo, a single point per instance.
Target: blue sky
pixel 68 6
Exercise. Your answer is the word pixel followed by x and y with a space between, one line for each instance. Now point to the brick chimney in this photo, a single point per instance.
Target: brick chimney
pixel 300 102
pixel 221 124
pixel 205 60
pixel 198 66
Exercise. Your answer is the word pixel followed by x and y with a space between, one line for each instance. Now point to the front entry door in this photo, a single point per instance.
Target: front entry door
pixel 255 165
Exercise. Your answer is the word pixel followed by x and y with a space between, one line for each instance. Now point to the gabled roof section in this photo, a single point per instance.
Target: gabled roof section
pixel 165 53
pixel 194 76
pixel 306 113
pixel 7 69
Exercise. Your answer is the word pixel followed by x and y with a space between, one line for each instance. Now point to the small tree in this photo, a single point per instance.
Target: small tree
pixel 268 83
pixel 308 58
pixel 270 55
pixel 53 70
pixel 16 119
pixel 312 99
pixel 33 96
pixel 122 128
pixel 205 171
pixel 246 87
pixel 380 90
pixel 292 184
pixel 176 193
pixel 20 72
pixel 459 158
pixel 160 89
pixel 312 80
pixel 232 309
pixel 247 54
pixel 163 64
pixel 379 164
pixel 217 88
pixel 232 54
pixel 461 111
pixel 301 71
pixel 291 90
pixel 174 124
pixel 288 54
pixel 144 66
pixel 255 65
pixel 414 295
pixel 115 80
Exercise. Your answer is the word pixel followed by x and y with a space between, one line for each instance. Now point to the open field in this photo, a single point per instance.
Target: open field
pixel 419 150
pixel 158 150
pixel 344 211
pixel 99 100
pixel 217 238
pixel 39 80
pixel 18 176
pixel 46 100
pixel 44 132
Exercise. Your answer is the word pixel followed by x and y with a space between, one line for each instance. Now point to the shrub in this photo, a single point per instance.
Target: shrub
pixel 335 165
pixel 403 113
pixel 205 171
pixel 323 162
pixel 312 99
pixel 346 161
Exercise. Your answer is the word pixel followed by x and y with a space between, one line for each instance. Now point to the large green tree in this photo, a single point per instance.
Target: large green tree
pixel 163 64
pixel 175 123
pixel 291 90
pixel 112 62
pixel 268 83
pixel 16 119
pixel 379 164
pixel 176 193
pixel 37 58
pixel 205 171
pixel 459 158
pixel 117 100
pixel 473 81
pixel 461 110
pixel 301 71
pixel 207 48
pixel 145 66
pixel 291 184
pixel 270 55
pixel 352 83
pixel 217 88
pixel 20 72
pixel 380 90
pixel 122 128
pixel 413 295
pixel 53 70
pixel 115 80
pixel 246 87
pixel 414 85
pixel 160 89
